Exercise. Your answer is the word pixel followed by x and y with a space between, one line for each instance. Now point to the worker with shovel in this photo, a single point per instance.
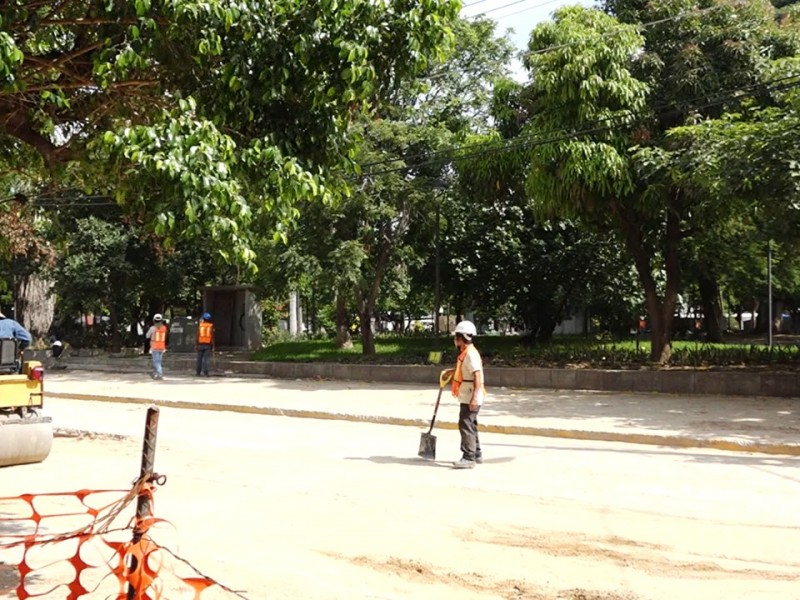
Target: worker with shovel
pixel 468 387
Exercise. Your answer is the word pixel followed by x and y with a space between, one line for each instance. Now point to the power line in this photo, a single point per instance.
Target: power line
pixel 615 30
pixel 689 104
pixel 474 3
pixel 559 46
pixel 496 8
pixel 523 10
pixel 539 139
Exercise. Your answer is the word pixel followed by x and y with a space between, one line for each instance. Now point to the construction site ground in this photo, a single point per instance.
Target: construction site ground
pixel 583 495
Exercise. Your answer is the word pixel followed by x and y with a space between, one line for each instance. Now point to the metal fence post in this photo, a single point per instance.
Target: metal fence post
pixel 145 474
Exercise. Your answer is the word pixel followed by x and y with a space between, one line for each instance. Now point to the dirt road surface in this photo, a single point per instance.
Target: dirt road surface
pixel 287 508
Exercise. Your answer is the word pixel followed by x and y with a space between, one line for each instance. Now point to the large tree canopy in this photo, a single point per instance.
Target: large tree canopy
pixel 600 88
pixel 197 114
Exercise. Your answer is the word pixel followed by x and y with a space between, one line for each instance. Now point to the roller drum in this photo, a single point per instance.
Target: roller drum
pixel 25 439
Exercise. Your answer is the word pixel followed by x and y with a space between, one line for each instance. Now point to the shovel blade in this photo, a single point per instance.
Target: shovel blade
pixel 427 446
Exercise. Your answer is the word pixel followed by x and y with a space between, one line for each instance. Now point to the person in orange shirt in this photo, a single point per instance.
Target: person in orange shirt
pixel 468 388
pixel 204 346
pixel 157 334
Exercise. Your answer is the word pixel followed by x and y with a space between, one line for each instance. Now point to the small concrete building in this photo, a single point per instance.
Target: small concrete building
pixel 236 314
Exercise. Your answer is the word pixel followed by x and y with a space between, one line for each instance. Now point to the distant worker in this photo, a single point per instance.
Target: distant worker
pixel 157 334
pixel 205 343
pixel 9 328
pixel 56 351
pixel 468 387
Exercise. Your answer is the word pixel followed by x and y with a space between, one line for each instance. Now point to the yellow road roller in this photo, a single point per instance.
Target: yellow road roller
pixel 26 434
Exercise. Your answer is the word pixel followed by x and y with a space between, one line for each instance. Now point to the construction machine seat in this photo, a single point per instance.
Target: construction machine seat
pixel 8 356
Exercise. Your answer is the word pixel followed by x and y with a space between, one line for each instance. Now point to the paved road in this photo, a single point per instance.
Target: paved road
pixel 767 425
pixel 287 508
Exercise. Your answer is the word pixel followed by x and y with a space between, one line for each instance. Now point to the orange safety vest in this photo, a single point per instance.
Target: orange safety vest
pixel 205 333
pixel 159 339
pixel 458 377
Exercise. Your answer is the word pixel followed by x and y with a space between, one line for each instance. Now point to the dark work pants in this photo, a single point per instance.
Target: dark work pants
pixel 203 356
pixel 468 427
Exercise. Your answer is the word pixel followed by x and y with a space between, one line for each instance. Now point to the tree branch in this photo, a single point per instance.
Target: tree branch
pixel 58 62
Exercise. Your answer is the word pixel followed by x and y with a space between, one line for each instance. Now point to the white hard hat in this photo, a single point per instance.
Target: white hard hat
pixel 466 328
pixel 158 317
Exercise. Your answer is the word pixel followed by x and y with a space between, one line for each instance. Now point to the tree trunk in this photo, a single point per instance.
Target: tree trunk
pixel 366 302
pixel 367 334
pixel 777 316
pixel 133 330
pixel 547 326
pixel 293 327
pixel 34 305
pixel 712 307
pixel 116 338
pixel 762 322
pixel 343 339
pixel 660 327
pixel 660 311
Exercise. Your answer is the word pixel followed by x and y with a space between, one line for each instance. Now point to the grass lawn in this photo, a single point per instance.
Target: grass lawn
pixel 561 352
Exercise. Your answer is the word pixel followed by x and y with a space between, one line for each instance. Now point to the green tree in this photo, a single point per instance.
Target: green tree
pixel 370 256
pixel 109 265
pixel 751 161
pixel 506 256
pixel 599 88
pixel 457 91
pixel 212 111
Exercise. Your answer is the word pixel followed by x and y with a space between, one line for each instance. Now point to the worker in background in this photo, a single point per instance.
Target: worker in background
pixel 9 328
pixel 204 346
pixel 157 334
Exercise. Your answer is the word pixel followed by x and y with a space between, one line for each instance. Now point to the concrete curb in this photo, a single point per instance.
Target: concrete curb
pixel 672 441
pixel 780 384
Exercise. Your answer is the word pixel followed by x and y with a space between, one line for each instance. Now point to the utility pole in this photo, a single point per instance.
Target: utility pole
pixel 769 293
pixel 436 291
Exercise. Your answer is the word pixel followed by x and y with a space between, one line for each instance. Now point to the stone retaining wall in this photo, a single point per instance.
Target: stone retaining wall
pixel 684 382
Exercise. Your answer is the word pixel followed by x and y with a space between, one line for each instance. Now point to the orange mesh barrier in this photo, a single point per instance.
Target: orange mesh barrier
pixel 91 557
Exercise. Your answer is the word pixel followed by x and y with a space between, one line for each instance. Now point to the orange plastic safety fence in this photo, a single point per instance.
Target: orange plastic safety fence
pixel 52 564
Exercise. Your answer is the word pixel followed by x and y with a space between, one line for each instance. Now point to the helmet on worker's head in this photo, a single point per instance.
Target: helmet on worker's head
pixel 157 318
pixel 206 316
pixel 465 328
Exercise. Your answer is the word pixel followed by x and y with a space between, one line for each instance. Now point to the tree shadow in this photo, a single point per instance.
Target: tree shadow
pixel 757 461
pixel 748 419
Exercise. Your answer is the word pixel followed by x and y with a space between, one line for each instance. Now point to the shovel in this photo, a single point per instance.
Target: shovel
pixel 427 441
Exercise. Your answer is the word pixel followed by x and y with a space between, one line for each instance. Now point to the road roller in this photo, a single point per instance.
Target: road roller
pixel 26 433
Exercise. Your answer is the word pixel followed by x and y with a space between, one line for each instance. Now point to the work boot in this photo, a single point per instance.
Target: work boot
pixel 464 464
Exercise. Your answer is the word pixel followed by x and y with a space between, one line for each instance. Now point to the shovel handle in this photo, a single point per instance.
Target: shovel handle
pixel 444 378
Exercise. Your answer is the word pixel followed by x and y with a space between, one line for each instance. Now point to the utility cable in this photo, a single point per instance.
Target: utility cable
pixel 474 3
pixel 663 108
pixel 524 10
pixel 540 138
pixel 498 146
pixel 615 30
pixel 496 8
pixel 642 25
pixel 534 140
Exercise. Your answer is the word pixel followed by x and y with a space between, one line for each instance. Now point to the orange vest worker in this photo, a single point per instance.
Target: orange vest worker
pixel 205 333
pixel 159 339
